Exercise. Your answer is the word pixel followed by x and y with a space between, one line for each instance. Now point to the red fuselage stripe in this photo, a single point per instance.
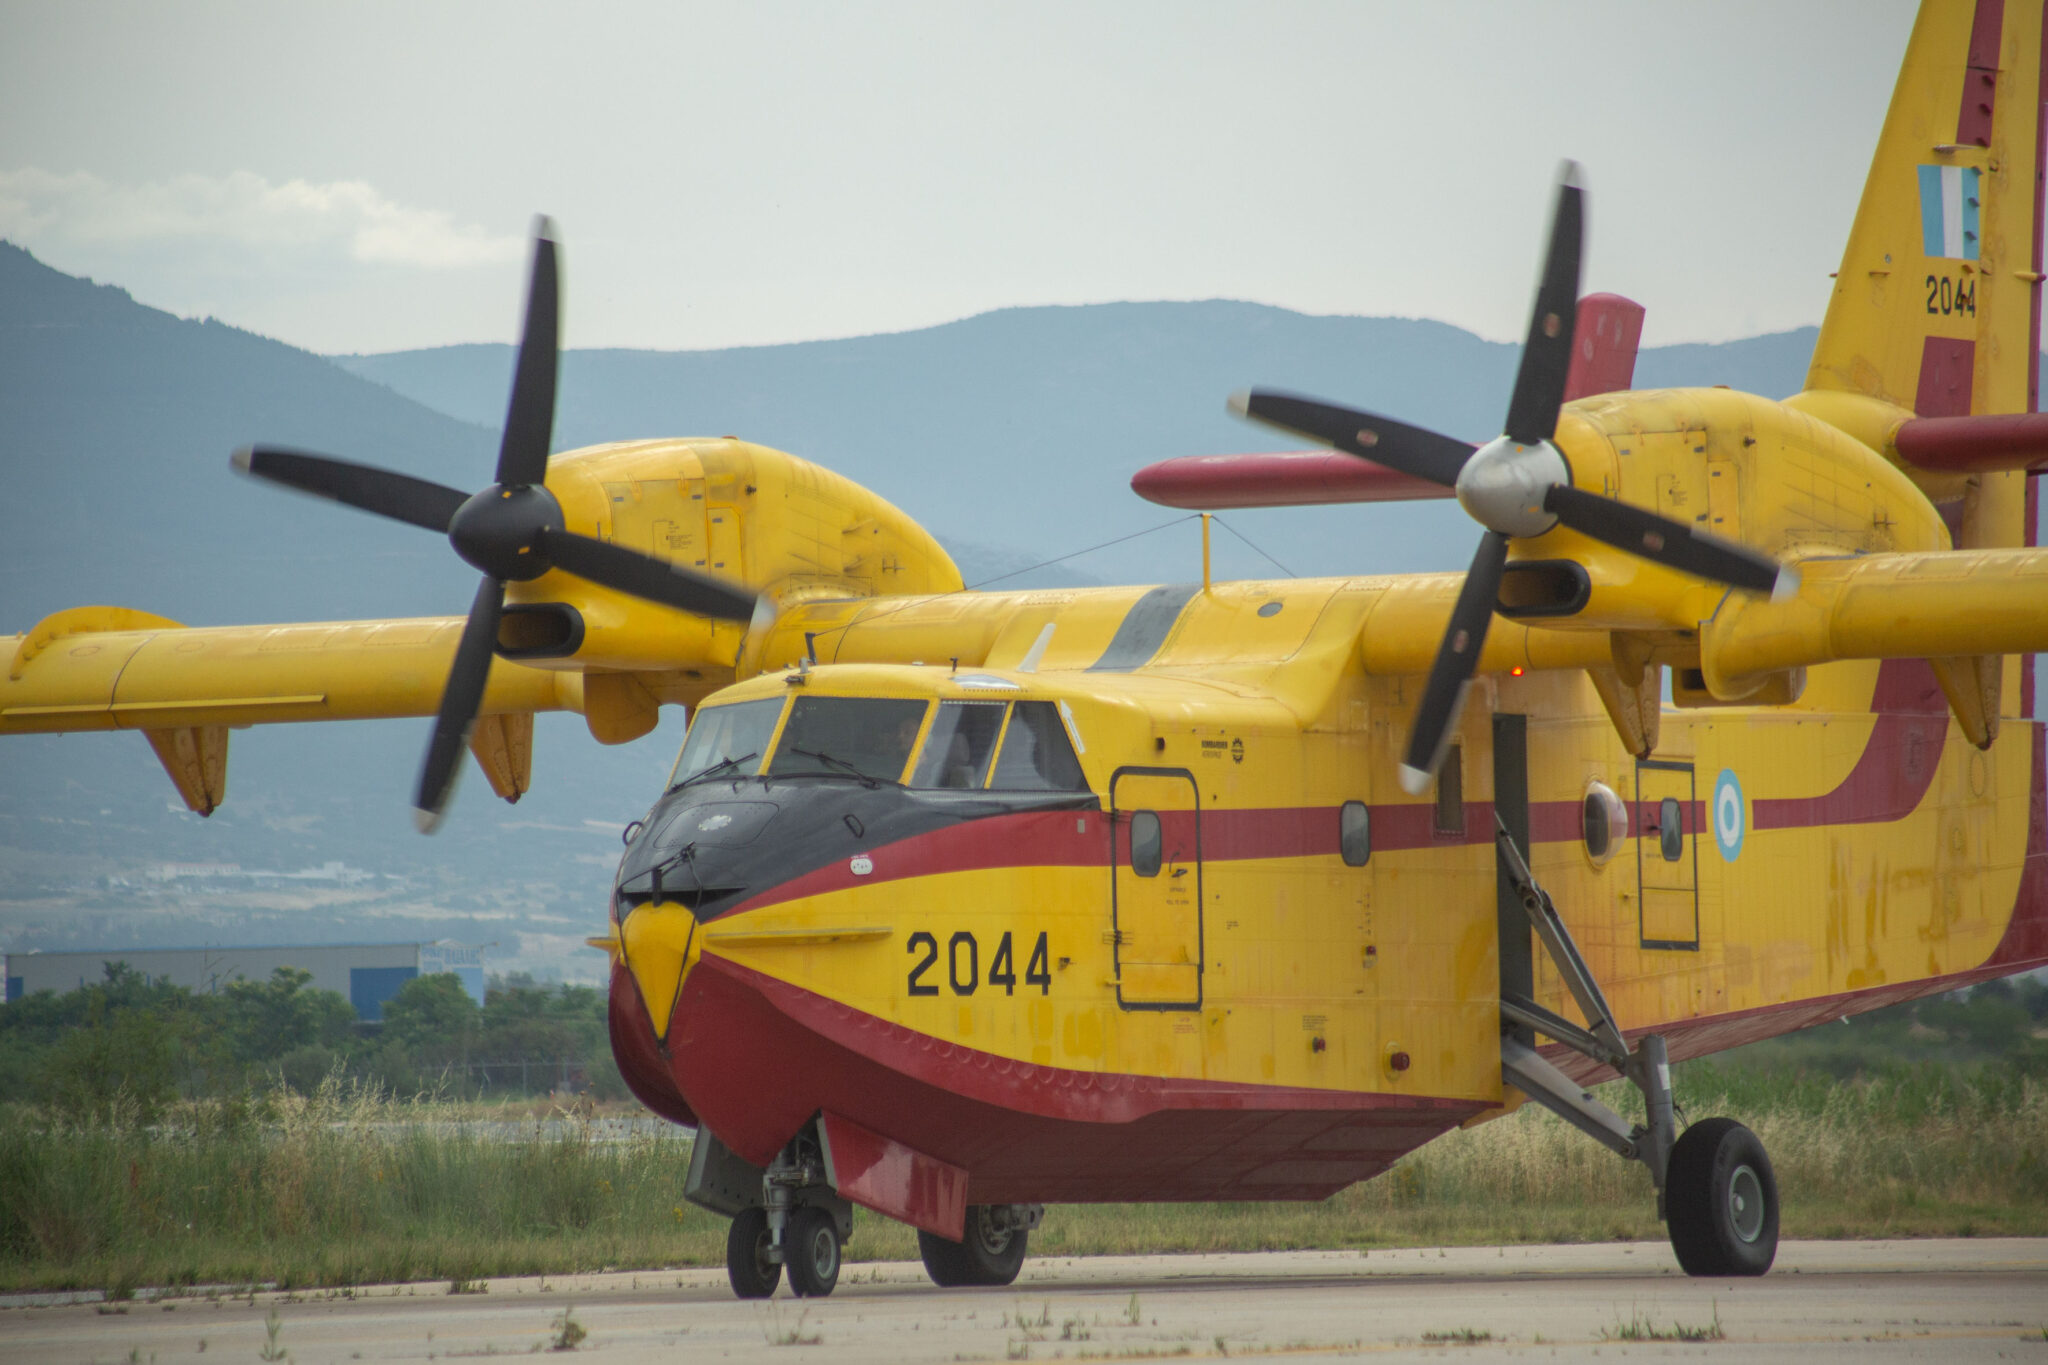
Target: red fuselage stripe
pixel 1889 781
pixel 1897 766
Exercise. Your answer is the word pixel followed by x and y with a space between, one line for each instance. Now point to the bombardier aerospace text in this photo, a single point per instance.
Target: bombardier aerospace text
pixel 961 904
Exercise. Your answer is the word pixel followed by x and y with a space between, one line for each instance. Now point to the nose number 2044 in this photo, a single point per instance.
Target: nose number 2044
pixel 963 964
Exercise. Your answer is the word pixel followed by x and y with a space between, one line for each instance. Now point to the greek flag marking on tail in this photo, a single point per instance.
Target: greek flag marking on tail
pixel 1948 211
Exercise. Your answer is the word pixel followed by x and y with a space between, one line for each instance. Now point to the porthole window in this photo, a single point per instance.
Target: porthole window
pixel 1604 822
pixel 1145 843
pixel 1354 833
pixel 1671 829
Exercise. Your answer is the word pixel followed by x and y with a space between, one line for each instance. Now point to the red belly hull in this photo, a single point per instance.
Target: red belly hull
pixel 755 1058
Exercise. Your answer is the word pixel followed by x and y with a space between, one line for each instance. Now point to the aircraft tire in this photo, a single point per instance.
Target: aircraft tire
pixel 747 1266
pixel 1721 1200
pixel 810 1247
pixel 990 1256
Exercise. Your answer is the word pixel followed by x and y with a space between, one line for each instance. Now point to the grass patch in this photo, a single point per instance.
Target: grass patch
pixel 1457 1336
pixel 776 1333
pixel 1638 1327
pixel 568 1333
pixel 346 1187
pixel 271 1350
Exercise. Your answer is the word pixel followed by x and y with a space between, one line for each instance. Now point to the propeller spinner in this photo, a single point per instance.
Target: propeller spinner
pixel 512 530
pixel 1517 485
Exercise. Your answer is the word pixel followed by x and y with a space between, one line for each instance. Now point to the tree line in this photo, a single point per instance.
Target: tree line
pixel 126 1039
pixel 129 1040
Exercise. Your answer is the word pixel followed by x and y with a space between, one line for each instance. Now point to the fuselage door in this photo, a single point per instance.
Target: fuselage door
pixel 1157 880
pixel 722 540
pixel 1667 854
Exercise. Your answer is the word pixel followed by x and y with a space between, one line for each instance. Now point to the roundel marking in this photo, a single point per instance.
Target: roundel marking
pixel 1730 815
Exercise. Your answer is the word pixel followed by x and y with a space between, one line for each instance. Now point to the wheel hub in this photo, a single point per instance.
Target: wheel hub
pixel 824 1257
pixel 1746 1204
pixel 994 1240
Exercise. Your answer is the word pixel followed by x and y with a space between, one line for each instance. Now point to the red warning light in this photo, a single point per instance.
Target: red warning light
pixel 1515 672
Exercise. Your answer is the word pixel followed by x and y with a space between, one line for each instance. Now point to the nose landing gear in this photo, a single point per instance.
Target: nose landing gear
pixel 749 1261
pixel 786 1217
pixel 810 1247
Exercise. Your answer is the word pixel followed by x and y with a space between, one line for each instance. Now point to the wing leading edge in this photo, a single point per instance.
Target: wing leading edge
pixel 115 668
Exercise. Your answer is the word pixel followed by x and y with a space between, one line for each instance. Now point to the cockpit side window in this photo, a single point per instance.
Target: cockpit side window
pixel 731 738
pixel 962 740
pixel 1036 754
pixel 871 736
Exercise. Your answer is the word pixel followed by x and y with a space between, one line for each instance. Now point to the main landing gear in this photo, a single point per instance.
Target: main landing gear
pixel 1715 1190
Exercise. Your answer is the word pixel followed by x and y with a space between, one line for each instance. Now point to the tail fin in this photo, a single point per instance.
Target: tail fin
pixel 1937 306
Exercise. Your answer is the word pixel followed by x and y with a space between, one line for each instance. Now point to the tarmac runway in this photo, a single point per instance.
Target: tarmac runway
pixel 1930 1300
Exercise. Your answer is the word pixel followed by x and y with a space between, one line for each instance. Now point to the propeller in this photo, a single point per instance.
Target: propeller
pixel 1517 485
pixel 513 530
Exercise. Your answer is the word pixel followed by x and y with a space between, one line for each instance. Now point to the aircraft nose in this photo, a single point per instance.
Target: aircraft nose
pixel 699 853
pixel 657 942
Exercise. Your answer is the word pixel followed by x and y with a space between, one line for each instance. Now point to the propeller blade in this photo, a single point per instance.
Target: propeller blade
pixel 1547 354
pixel 1670 543
pixel 1411 450
pixel 657 580
pixel 459 702
pixel 1443 696
pixel 530 418
pixel 398 496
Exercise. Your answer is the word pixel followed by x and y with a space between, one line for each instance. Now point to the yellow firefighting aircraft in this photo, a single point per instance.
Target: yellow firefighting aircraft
pixel 960 904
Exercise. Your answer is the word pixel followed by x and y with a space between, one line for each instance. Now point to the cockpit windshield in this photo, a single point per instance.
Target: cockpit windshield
pixel 727 740
pixel 1037 755
pixel 962 741
pixel 969 746
pixel 866 737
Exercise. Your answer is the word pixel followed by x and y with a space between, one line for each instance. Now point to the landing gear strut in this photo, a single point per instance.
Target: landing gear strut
pixel 1715 1190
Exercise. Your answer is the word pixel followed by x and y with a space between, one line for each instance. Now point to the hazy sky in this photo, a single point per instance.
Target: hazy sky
pixel 361 176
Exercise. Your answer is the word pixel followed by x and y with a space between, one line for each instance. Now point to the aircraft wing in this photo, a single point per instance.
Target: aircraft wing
pixel 114 668
pixel 1890 606
pixel 1961 609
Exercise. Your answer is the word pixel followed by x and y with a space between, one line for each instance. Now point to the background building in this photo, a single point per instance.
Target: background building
pixel 368 974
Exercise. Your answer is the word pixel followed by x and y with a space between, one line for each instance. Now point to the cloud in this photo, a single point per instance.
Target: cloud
pixel 244 210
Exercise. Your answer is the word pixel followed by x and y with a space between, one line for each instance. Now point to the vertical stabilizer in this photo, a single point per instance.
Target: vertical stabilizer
pixel 1937 305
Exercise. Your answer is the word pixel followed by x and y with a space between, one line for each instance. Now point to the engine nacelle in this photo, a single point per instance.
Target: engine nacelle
pixel 777 524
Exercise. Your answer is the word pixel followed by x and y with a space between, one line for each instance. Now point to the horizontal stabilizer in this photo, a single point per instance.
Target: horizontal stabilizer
pixel 1603 360
pixel 1975 445
pixel 1288 478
